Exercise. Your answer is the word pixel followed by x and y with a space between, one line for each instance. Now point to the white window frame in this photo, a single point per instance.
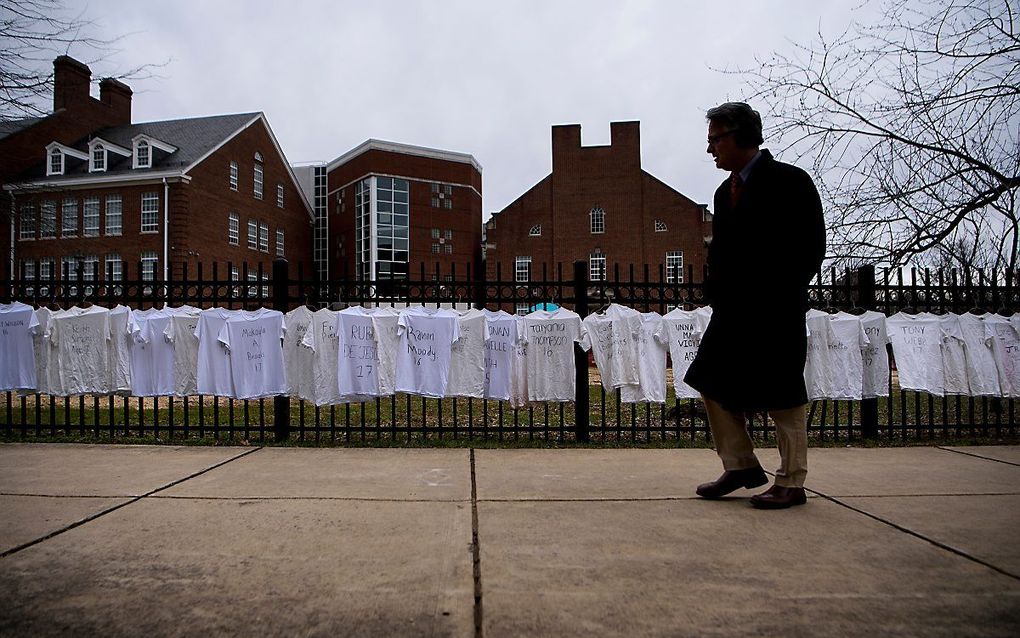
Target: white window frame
pixel 279 243
pixel 279 195
pixel 258 177
pixel 597 221
pixel 65 230
pixel 139 161
pixel 522 269
pixel 152 225
pixel 263 237
pixel 114 268
pixel 253 234
pixel 116 204
pixel 435 249
pixel 90 213
pixel 674 266
pixel 597 270
pixel 536 231
pixel 48 213
pixel 235 275
pixel 233 175
pixel 522 308
pixel 150 264
pixel 233 229
pixel 97 159
pixel 58 169
pixel 661 226
pixel 27 231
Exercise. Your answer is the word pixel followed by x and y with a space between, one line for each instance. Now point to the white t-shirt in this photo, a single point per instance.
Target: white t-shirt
pixel 653 344
pixel 18 324
pixel 180 332
pixel 385 320
pixel 875 355
pixel 214 377
pixel 120 349
pixel 358 362
pixel 152 354
pixel 427 336
pixel 255 342
pixel 551 336
pixel 612 336
pixel 41 347
pixel 298 359
pixel 519 369
pixel 1005 340
pixel 975 334
pixel 321 338
pixel 80 338
pixel 501 337
pixel 684 329
pixel 834 368
pixel 954 356
pixel 467 357
pixel 917 348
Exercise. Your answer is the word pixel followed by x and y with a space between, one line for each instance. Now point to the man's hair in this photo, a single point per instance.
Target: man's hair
pixel 740 118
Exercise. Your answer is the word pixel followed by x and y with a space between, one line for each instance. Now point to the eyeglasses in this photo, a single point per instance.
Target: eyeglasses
pixel 714 139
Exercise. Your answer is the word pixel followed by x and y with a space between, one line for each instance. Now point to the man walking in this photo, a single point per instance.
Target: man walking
pixel 768 241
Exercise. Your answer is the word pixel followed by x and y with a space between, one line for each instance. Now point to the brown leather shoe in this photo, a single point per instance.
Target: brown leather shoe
pixel 778 497
pixel 732 480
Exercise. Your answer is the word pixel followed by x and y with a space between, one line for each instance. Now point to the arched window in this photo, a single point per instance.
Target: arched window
pixel 536 230
pixel 660 226
pixel 56 162
pixel 142 154
pixel 98 158
pixel 598 220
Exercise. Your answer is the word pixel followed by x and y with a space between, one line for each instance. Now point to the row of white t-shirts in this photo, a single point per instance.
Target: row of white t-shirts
pixel 846 356
pixel 968 354
pixel 630 350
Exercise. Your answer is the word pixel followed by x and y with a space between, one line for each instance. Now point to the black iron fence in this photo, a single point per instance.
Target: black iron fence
pixel 594 415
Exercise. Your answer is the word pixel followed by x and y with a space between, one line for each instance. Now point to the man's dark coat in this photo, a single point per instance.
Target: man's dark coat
pixel 763 254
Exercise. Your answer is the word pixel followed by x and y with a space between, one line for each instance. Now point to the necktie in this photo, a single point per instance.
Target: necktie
pixel 736 186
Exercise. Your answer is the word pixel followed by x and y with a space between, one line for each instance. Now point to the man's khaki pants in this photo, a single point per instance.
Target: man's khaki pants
pixel 729 429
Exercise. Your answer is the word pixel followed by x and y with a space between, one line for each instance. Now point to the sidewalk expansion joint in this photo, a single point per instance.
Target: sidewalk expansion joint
pixel 113 508
pixel 476 560
pixel 977 456
pixel 365 499
pixel 907 530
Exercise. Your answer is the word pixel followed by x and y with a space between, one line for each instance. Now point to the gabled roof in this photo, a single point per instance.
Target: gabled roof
pixel 194 138
pixel 11 127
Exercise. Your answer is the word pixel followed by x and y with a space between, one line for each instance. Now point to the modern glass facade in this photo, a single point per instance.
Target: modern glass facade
pixel 382 226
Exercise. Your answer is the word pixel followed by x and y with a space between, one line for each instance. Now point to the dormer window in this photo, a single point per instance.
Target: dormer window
pixel 142 157
pixel 98 158
pixel 56 165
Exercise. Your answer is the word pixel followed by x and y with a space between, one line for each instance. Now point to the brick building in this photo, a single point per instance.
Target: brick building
pixel 90 192
pixel 393 209
pixel 599 206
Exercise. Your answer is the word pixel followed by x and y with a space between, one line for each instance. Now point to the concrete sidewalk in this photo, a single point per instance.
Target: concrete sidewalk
pixel 136 540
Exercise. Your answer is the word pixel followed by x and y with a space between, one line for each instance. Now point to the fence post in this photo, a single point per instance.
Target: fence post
pixel 281 404
pixel 869 407
pixel 581 400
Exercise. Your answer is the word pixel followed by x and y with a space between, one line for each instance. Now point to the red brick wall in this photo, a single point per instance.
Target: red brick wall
pixel 609 177
pixel 200 221
pixel 463 219
pixel 199 213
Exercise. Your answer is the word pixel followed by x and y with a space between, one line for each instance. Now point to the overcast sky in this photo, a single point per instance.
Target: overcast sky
pixel 486 78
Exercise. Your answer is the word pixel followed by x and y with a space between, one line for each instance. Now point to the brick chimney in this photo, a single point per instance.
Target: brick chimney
pixel 626 140
pixel 70 83
pixel 566 144
pixel 117 96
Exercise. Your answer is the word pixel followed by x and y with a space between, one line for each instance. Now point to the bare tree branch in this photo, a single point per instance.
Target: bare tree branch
pixel 912 127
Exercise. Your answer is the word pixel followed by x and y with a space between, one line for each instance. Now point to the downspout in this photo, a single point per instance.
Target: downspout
pixel 12 255
pixel 166 231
